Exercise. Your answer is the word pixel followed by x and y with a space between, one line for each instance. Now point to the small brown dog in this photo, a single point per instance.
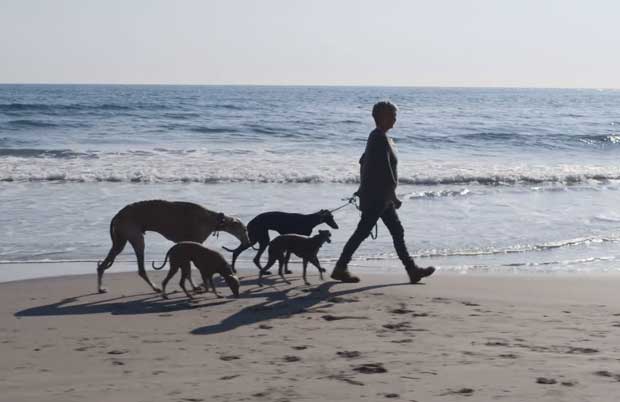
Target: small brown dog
pixel 207 261
pixel 305 247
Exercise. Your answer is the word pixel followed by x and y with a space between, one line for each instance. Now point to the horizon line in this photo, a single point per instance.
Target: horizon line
pixel 314 85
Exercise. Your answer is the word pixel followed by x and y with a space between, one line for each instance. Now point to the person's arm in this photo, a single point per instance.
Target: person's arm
pixel 389 166
pixel 378 157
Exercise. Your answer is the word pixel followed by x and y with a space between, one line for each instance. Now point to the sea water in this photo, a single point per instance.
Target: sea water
pixel 492 180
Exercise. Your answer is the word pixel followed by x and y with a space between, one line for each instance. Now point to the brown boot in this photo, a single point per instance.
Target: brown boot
pixel 417 273
pixel 342 274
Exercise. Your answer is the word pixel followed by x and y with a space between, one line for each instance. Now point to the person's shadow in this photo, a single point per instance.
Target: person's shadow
pixel 280 305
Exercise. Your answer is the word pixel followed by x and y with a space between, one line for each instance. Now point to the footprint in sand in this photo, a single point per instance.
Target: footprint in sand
pixel 402 326
pixel 546 381
pixel 339 299
pixel 462 391
pixel 349 354
pixel 508 356
pixel 329 317
pixel 605 373
pixel 370 368
pixel 118 352
pixel 227 358
pixel 496 343
pixel 344 378
pixel 229 377
pixel 440 300
pixel 291 359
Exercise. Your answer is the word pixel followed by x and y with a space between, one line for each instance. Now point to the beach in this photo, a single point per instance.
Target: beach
pixel 472 337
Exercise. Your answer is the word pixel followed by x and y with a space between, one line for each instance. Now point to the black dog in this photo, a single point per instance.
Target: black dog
pixel 283 223
pixel 304 247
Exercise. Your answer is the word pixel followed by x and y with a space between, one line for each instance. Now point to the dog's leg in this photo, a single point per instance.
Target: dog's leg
pixel 287 258
pixel 195 288
pixel 315 261
pixel 185 270
pixel 205 279
pixel 137 242
pixel 118 244
pixel 173 270
pixel 272 259
pixel 262 245
pixel 213 285
pixel 305 264
pixel 281 265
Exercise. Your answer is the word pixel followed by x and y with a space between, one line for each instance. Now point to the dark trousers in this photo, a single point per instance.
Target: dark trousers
pixel 365 226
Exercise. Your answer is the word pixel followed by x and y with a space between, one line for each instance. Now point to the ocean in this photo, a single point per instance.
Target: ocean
pixel 492 180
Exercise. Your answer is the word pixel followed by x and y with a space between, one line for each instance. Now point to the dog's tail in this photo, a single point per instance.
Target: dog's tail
pixel 165 261
pixel 240 249
pixel 231 250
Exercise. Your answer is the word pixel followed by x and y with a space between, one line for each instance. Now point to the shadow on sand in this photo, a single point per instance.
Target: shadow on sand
pixel 279 305
pixel 150 304
pixel 276 303
pixel 147 303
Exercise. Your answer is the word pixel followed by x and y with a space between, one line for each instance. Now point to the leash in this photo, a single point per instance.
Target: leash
pixel 353 201
pixel 349 201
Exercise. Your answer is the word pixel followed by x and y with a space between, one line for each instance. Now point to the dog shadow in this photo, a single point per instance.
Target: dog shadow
pixel 147 303
pixel 280 306
pixel 144 303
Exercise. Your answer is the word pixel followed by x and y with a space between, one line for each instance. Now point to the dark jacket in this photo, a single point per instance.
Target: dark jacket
pixel 378 172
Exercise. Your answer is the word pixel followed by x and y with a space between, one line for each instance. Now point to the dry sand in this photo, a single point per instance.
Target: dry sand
pixel 482 338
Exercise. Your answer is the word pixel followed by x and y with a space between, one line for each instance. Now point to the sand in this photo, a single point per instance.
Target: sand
pixel 456 337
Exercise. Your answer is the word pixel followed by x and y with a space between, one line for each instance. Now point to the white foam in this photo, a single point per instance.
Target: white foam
pixel 270 166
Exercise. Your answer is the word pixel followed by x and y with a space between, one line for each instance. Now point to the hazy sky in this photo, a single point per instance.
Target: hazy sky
pixel 541 43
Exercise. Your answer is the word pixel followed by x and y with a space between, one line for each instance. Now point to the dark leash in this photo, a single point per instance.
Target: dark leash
pixel 353 201
pixel 349 201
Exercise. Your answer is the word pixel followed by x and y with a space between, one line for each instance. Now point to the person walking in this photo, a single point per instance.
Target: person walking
pixel 377 194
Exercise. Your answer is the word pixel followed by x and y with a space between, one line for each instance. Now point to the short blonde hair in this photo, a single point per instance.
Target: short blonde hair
pixel 382 107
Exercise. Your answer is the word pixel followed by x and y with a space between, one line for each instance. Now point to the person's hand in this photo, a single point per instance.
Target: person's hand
pixel 397 203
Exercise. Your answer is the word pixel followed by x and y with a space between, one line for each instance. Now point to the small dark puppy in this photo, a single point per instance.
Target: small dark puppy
pixel 207 261
pixel 306 248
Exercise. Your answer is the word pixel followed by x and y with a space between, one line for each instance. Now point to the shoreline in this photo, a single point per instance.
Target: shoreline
pixel 11 272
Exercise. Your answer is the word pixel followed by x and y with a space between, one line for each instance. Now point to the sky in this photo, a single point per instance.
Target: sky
pixel 496 43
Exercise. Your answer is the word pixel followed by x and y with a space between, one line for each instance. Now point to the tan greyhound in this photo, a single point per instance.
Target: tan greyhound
pixel 208 262
pixel 176 221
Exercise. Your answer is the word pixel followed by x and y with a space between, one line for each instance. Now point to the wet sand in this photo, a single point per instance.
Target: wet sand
pixel 469 337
